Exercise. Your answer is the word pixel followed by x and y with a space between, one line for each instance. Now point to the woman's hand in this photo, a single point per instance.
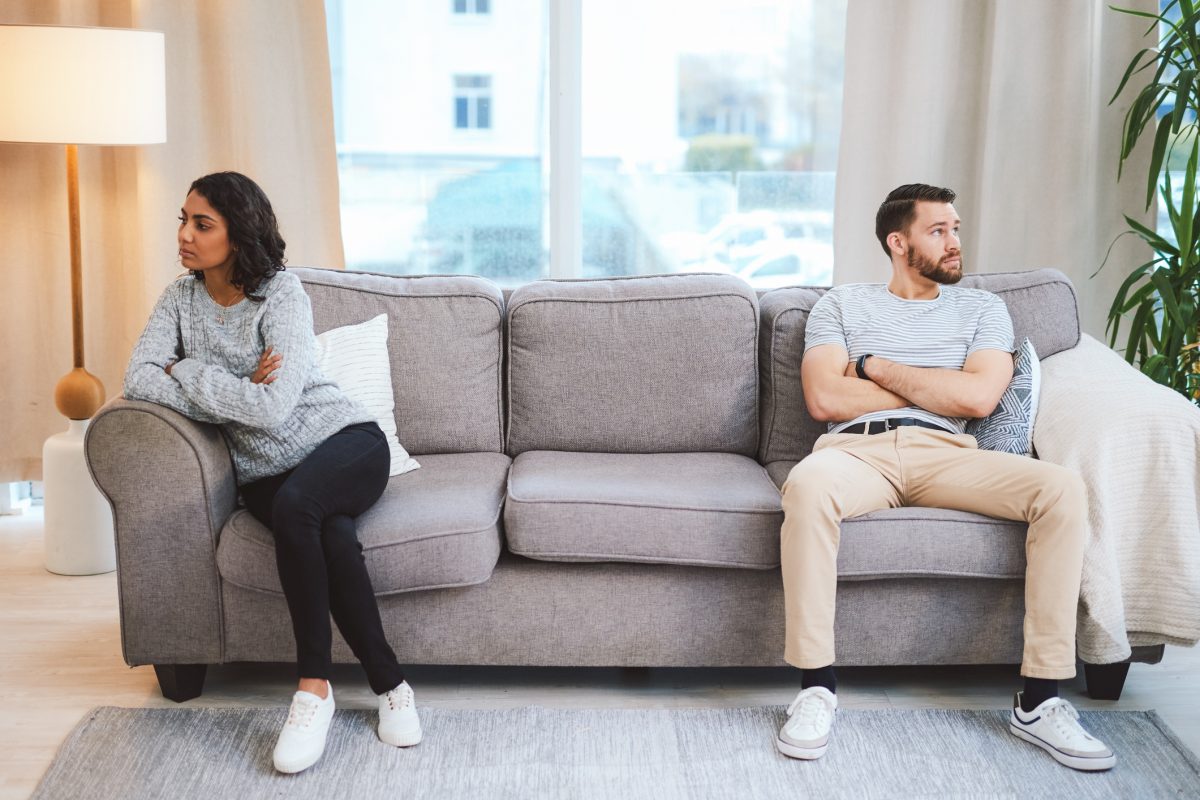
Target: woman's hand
pixel 167 368
pixel 266 366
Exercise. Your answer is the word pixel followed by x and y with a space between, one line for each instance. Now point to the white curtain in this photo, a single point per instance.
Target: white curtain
pixel 1006 102
pixel 248 89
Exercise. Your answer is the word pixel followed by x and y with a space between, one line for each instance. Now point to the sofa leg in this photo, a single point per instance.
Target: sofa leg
pixel 180 682
pixel 1105 681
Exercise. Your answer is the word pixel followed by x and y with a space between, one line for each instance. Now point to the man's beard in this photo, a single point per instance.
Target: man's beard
pixel 934 271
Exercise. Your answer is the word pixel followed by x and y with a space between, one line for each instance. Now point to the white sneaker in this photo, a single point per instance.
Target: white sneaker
pixel 810 716
pixel 399 724
pixel 302 740
pixel 1054 727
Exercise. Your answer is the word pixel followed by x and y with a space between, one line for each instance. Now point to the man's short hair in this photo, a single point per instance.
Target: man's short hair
pixel 900 208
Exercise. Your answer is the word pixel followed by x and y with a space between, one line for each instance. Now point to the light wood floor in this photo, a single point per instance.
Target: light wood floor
pixel 60 655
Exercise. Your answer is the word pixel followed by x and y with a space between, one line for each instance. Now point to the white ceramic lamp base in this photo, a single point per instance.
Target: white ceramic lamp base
pixel 79 528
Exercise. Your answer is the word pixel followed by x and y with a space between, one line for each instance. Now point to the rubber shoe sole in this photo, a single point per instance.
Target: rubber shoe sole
pixel 402 738
pixel 1084 764
pixel 292 767
pixel 804 753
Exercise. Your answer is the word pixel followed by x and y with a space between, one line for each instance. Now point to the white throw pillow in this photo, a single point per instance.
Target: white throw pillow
pixel 355 357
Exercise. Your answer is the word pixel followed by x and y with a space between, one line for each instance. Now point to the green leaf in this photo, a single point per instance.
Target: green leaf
pixel 1152 238
pixel 1168 197
pixel 1139 115
pixel 1182 96
pixel 1168 49
pixel 1188 15
pixel 1135 13
pixel 1173 338
pixel 1144 293
pixel 1118 304
pixel 1137 332
pixel 1156 158
pixel 1129 71
pixel 1153 364
pixel 1162 282
pixel 1187 208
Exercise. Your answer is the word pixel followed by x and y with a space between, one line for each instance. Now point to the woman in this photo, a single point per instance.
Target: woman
pixel 232 343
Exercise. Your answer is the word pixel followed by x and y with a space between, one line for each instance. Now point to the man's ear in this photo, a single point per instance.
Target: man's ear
pixel 896 243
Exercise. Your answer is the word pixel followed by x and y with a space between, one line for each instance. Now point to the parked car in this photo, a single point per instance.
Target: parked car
pixel 795 262
pixel 735 236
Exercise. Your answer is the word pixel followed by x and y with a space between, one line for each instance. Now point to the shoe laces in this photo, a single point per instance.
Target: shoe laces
pixel 808 709
pixel 1065 719
pixel 301 714
pixel 399 694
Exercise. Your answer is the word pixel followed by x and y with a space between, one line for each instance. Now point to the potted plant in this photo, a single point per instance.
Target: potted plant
pixel 1161 298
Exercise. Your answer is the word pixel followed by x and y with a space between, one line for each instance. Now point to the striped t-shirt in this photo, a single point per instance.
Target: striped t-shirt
pixel 867 318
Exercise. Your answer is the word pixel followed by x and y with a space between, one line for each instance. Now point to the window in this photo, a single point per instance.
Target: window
pixel 682 135
pixel 710 133
pixel 470 6
pixel 472 101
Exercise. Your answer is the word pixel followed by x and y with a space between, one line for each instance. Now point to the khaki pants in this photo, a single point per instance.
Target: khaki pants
pixel 852 474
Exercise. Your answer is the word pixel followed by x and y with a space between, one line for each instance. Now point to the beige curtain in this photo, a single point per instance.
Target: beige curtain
pixel 1006 102
pixel 248 89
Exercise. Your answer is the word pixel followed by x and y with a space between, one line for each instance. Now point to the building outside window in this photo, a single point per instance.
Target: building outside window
pixel 709 133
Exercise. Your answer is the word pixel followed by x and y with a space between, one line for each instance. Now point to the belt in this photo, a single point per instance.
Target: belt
pixel 885 425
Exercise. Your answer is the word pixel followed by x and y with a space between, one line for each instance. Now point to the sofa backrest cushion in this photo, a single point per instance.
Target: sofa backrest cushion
pixel 1041 302
pixel 647 364
pixel 445 345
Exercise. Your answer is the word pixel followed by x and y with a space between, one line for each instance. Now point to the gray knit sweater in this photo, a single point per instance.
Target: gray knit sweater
pixel 270 427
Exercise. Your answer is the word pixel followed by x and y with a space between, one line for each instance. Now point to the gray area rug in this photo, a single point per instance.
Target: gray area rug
pixel 619 754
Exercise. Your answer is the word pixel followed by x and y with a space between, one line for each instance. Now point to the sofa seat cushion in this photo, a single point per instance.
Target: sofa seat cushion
pixel 924 542
pixel 710 509
pixel 435 527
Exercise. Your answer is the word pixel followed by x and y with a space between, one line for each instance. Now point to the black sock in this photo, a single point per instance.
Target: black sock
pixel 1037 691
pixel 818 677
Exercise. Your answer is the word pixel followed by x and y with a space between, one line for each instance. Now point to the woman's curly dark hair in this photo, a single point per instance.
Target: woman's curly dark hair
pixel 252 229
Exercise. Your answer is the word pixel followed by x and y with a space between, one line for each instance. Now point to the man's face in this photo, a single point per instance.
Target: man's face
pixel 934 249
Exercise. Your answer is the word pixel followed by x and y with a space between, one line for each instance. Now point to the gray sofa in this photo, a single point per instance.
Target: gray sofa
pixel 600 462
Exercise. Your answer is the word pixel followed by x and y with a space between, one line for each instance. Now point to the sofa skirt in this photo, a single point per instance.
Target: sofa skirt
pixel 532 613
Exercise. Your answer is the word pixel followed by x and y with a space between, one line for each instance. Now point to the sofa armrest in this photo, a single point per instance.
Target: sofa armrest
pixel 171 484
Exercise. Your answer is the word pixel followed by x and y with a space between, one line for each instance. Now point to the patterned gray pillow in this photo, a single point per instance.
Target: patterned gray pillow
pixel 1009 428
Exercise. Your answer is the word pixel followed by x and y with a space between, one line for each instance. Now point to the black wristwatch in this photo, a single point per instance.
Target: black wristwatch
pixel 860 366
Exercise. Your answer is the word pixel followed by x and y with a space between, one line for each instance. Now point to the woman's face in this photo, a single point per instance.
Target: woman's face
pixel 203 236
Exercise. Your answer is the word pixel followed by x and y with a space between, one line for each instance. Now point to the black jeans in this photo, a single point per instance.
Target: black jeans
pixel 310 510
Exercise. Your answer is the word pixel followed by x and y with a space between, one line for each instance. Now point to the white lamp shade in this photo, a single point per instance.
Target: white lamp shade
pixel 82 85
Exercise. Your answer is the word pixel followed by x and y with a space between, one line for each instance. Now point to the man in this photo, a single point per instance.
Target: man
pixel 896 370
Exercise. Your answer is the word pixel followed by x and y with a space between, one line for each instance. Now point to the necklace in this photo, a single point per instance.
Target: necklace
pixel 222 308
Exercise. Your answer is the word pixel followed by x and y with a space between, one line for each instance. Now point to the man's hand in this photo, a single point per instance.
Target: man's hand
pixel 851 370
pixel 267 365
pixel 167 368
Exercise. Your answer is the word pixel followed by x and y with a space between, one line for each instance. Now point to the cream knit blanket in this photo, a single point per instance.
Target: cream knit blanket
pixel 1135 443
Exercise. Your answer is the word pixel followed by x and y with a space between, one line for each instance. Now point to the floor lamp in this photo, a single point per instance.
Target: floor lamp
pixel 73 86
